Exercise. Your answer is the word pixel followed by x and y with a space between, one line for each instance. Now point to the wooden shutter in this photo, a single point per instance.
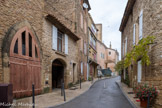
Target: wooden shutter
pixel 123 49
pixel 134 34
pixel 66 44
pixel 126 45
pixel 81 68
pixel 85 48
pixel 54 37
pixel 139 71
pixel 141 25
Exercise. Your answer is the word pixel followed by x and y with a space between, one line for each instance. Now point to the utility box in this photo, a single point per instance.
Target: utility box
pixel 6 95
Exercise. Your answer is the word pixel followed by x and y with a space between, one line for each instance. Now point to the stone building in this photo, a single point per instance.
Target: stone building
pixel 39 43
pixel 142 18
pixel 92 51
pixel 112 59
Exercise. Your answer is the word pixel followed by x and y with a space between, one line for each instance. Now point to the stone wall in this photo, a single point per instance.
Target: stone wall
pixel 32 13
pixel 152 24
pixel 50 55
pixel 15 14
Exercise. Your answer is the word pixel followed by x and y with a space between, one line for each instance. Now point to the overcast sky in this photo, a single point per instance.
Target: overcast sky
pixel 109 13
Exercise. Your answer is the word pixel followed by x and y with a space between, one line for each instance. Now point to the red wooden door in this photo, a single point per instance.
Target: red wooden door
pixel 24 64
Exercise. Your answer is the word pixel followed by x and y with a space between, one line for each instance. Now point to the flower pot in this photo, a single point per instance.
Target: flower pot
pixel 143 103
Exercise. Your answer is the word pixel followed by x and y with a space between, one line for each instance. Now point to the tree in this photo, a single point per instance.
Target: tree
pixel 140 51
pixel 119 66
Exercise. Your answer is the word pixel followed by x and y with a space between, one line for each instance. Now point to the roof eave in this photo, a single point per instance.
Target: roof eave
pixel 61 26
pixel 127 12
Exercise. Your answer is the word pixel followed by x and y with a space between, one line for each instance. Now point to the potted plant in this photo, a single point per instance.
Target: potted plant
pixel 145 92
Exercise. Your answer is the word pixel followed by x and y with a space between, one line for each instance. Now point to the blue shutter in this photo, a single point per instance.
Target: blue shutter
pixel 141 25
pixel 54 37
pixel 134 34
pixel 66 44
pixel 139 71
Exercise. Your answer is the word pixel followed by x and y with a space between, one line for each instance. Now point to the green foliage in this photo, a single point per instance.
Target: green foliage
pixel 70 85
pixel 89 78
pixel 140 50
pixel 46 90
pixel 127 81
pixel 119 66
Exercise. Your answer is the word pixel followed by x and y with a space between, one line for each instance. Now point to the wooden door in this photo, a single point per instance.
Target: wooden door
pixel 25 64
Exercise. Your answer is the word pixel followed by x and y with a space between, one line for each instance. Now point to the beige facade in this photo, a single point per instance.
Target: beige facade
pixel 92 45
pixel 101 54
pixel 43 18
pixel 112 59
pixel 142 18
pixel 99 32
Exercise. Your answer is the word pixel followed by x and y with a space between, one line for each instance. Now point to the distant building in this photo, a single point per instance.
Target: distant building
pixel 106 57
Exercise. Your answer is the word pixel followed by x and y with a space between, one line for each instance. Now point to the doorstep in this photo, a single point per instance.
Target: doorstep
pixel 128 93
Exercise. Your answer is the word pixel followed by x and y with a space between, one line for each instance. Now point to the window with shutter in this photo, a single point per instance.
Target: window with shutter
pixel 139 67
pixel 141 25
pixel 134 34
pixel 59 41
pixel 54 38
pixel 66 44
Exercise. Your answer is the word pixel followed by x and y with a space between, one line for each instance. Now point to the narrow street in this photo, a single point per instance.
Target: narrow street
pixel 103 94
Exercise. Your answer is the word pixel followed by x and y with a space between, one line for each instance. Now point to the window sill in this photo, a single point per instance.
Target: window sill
pixel 61 53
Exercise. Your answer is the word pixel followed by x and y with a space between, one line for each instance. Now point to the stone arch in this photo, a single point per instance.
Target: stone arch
pixel 6 43
pixel 58 72
pixel 11 33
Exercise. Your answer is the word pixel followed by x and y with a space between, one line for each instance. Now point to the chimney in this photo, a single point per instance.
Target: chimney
pixel 110 44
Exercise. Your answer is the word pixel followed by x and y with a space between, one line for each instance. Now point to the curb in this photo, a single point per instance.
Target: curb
pixel 78 95
pixel 133 105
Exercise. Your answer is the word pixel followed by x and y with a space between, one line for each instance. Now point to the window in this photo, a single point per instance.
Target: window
pixel 23 43
pixel 30 45
pixel 16 47
pixel 59 41
pixel 26 43
pixel 93 29
pixel 36 53
pixel 139 67
pixel 141 25
pixel 109 53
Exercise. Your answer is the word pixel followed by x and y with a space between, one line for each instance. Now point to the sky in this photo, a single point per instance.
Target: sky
pixel 109 13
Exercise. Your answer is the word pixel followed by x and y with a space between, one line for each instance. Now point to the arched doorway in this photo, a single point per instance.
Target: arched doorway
pixel 24 64
pixel 57 73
